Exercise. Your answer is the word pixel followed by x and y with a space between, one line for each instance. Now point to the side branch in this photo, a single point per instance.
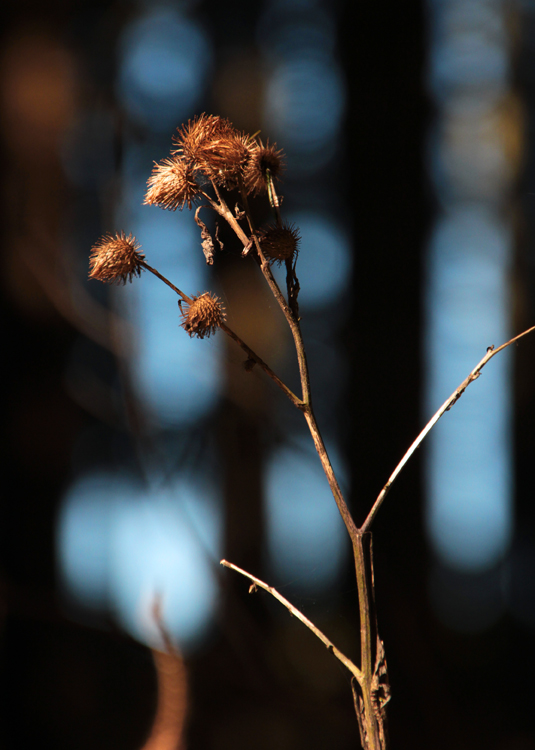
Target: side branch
pixel 158 275
pixel 446 406
pixel 223 210
pixel 260 362
pixel 355 671
pixel 234 336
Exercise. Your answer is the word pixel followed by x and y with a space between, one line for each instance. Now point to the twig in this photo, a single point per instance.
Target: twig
pixel 372 723
pixel 234 336
pixel 355 671
pixel 185 297
pixel 446 406
pixel 306 403
pixel 168 725
pixel 283 304
pixel 260 362
pixel 341 504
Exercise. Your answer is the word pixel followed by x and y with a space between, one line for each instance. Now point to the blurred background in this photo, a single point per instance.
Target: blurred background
pixel 135 458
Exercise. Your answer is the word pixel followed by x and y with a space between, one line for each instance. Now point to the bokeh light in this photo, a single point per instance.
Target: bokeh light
pixel 122 546
pixel 307 540
pixel 164 62
pixel 467 302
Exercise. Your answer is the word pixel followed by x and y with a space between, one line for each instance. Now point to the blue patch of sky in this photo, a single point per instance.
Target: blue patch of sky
pixel 121 545
pixel 304 106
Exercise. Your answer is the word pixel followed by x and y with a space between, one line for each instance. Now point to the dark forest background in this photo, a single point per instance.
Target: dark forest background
pixel 71 683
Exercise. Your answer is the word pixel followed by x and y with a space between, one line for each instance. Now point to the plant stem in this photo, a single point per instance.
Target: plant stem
pixel 355 671
pixel 329 473
pixel 446 406
pixel 291 319
pixel 296 401
pixel 234 336
pixel 224 211
pixel 368 718
pixel 368 721
pixel 185 297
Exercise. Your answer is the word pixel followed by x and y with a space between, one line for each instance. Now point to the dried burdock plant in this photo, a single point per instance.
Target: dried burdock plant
pixel 264 160
pixel 215 148
pixel 211 154
pixel 116 259
pixel 279 243
pixel 172 185
pixel 203 315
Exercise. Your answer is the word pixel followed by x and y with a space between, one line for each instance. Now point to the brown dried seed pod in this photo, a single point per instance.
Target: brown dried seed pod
pixel 115 259
pixel 203 316
pixel 279 243
pixel 172 184
pixel 214 147
pixel 261 159
pixel 199 131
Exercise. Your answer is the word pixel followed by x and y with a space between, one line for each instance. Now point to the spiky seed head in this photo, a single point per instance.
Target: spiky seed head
pixel 279 243
pixel 203 316
pixel 172 184
pixel 115 259
pixel 212 145
pixel 262 158
pixel 203 128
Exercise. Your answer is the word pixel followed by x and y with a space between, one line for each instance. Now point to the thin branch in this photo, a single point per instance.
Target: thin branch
pixel 446 406
pixel 296 401
pixel 306 403
pixel 224 211
pixel 341 504
pixel 291 319
pixel 185 297
pixel 355 671
pixel 172 700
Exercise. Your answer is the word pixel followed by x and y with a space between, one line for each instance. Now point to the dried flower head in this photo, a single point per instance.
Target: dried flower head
pixel 172 184
pixel 262 158
pixel 203 316
pixel 279 243
pixel 115 259
pixel 213 146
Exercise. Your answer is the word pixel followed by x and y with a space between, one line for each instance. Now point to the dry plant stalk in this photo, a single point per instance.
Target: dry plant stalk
pixel 211 156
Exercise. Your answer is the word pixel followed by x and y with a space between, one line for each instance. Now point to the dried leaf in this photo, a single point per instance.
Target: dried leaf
pixel 217 238
pixel 207 242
